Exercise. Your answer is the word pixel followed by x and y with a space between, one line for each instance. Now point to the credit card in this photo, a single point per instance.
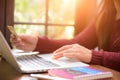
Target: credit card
pixel 11 29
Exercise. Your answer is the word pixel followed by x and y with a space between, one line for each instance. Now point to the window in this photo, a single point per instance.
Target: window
pixel 52 18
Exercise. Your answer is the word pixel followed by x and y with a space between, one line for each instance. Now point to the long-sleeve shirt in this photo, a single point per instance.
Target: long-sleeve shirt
pixel 88 38
pixel 110 58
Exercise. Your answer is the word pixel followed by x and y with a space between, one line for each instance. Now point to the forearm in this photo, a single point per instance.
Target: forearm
pixel 107 59
pixel 46 45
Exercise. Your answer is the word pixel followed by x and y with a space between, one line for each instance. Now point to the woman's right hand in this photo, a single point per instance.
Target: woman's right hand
pixel 24 42
pixel 74 51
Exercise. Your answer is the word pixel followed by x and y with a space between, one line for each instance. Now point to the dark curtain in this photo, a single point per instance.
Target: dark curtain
pixel 6 16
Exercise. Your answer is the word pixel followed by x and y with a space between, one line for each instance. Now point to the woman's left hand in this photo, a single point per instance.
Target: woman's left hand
pixel 74 51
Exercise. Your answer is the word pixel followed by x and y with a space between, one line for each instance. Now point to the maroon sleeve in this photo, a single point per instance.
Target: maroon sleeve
pixel 86 38
pixel 46 45
pixel 107 59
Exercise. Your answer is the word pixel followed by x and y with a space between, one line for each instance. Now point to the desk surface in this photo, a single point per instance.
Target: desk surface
pixel 7 72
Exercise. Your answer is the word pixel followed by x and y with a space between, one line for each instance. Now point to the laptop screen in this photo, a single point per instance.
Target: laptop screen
pixel 6 53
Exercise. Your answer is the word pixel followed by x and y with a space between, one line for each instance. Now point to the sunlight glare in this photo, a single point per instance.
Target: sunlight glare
pixel 66 1
pixel 69 31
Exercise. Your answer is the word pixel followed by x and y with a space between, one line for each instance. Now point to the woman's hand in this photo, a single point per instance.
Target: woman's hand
pixel 73 51
pixel 24 42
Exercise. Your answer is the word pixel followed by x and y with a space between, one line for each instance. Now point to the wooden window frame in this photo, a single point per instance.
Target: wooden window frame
pixel 46 24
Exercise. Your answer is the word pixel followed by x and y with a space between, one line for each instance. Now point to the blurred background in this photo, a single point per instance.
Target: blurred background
pixel 56 19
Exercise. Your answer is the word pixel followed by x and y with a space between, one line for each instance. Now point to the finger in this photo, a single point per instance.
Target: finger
pixel 19 45
pixel 14 37
pixel 70 54
pixel 62 53
pixel 62 48
pixel 15 41
pixel 57 56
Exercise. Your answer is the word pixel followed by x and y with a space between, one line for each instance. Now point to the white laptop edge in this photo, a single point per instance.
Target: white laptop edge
pixel 6 53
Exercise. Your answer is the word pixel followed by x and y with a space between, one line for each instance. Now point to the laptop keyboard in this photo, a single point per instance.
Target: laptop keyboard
pixel 35 61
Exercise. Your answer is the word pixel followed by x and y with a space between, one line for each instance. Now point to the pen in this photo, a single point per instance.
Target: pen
pixel 43 76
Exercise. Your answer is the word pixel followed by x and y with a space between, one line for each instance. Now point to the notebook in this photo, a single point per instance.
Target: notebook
pixel 33 62
pixel 81 73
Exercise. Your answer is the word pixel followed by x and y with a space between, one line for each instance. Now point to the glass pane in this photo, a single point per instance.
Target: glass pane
pixel 62 11
pixel 30 29
pixel 29 11
pixel 61 32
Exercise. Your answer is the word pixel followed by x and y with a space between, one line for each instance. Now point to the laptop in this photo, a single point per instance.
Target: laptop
pixel 30 62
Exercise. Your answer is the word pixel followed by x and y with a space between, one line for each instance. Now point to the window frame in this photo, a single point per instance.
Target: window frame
pixel 6 8
pixel 7 17
pixel 46 24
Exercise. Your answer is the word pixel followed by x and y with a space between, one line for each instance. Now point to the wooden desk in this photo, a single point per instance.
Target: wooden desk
pixel 7 72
